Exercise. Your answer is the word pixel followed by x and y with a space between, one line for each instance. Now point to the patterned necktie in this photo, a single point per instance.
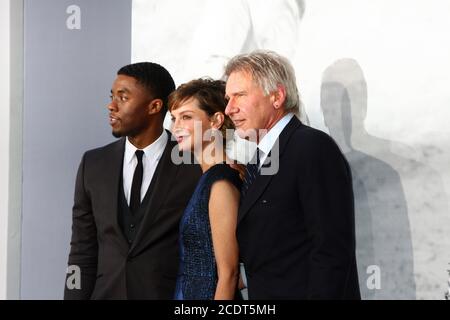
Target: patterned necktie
pixel 251 172
pixel 135 198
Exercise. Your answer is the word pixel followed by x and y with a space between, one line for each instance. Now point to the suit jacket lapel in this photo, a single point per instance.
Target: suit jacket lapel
pixel 163 178
pixel 262 181
pixel 256 189
pixel 112 171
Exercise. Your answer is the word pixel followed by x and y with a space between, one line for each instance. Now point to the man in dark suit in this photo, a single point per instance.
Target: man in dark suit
pixel 130 195
pixel 296 219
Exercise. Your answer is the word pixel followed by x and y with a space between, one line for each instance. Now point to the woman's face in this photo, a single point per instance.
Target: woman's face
pixel 189 123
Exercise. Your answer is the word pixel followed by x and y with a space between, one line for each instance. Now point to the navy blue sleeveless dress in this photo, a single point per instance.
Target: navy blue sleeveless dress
pixel 197 275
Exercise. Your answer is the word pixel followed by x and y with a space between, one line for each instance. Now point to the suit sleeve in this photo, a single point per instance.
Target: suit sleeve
pixel 326 195
pixel 83 246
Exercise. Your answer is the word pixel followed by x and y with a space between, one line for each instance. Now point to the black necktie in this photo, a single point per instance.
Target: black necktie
pixel 251 172
pixel 135 198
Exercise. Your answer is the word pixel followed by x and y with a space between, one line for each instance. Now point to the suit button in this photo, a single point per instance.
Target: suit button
pixel 130 241
pixel 132 226
pixel 264 201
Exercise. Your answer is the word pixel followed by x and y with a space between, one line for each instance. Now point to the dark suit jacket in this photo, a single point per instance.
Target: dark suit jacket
pixel 110 268
pixel 296 228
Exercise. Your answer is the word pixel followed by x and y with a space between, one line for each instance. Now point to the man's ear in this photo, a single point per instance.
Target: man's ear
pixel 217 120
pixel 279 97
pixel 155 106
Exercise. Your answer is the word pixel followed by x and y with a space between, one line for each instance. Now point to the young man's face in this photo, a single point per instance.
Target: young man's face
pixel 129 107
pixel 248 107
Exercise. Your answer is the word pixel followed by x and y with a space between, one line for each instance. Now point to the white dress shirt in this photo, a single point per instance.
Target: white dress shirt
pixel 150 159
pixel 267 142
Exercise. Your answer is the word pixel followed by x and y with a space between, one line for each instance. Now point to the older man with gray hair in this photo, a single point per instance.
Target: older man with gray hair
pixel 295 229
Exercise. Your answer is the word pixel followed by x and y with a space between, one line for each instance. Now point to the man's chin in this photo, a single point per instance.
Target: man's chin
pixel 247 134
pixel 240 133
pixel 117 134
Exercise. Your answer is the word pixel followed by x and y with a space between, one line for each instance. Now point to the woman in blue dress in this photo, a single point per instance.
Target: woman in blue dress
pixel 208 245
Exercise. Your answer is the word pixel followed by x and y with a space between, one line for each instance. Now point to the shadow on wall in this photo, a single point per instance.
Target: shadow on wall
pixel 383 235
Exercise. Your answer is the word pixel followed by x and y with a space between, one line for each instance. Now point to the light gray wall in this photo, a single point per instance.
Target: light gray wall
pixel 15 149
pixel 11 79
pixel 68 75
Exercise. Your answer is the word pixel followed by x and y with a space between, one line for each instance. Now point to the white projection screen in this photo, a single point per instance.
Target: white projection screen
pixel 375 75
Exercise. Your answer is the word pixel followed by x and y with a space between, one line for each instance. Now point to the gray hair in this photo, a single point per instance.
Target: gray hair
pixel 269 70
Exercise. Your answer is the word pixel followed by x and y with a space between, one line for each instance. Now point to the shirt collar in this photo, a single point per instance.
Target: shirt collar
pixel 267 142
pixel 149 151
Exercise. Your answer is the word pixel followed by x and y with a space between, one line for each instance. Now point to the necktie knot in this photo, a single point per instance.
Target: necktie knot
pixel 139 154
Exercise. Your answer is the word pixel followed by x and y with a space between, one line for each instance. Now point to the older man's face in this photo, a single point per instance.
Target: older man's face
pixel 248 106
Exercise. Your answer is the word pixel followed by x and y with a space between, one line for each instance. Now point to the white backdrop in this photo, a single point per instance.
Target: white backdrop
pixel 373 74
